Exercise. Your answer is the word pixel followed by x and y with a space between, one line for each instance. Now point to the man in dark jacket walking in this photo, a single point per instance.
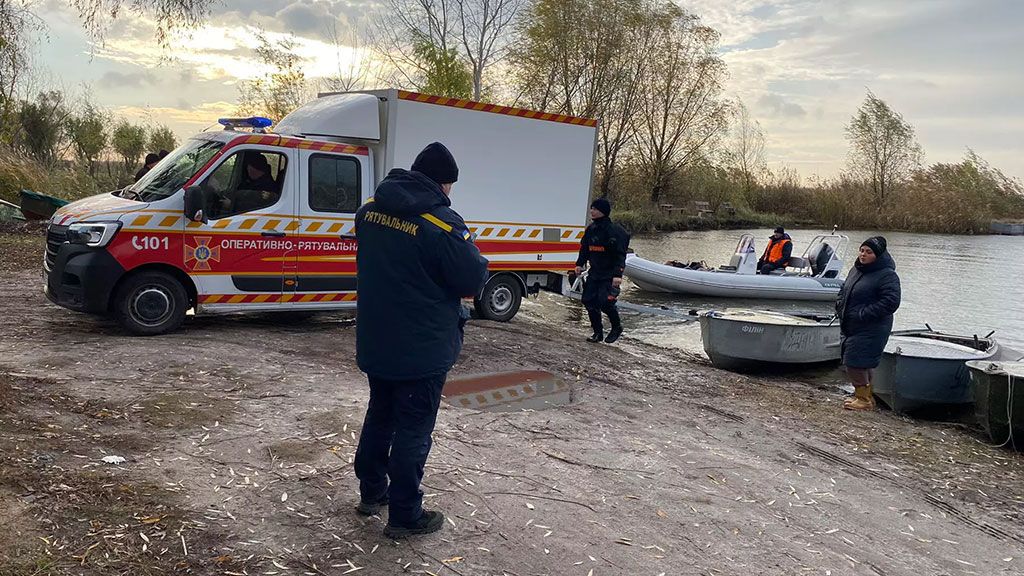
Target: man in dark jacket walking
pixel 604 247
pixel 416 261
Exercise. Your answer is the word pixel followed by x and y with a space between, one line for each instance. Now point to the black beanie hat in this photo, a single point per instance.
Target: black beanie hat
pixel 877 244
pixel 780 230
pixel 602 205
pixel 437 163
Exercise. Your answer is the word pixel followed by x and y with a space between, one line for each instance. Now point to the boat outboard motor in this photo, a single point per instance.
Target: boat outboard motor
pixel 820 257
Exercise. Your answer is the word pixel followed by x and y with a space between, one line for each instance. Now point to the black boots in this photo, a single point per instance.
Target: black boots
pixel 431 521
pixel 614 334
pixel 597 337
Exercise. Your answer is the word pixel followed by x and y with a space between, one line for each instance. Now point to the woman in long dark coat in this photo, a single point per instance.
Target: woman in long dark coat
pixel 867 302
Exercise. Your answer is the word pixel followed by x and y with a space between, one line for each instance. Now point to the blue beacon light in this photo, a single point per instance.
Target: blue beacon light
pixel 255 122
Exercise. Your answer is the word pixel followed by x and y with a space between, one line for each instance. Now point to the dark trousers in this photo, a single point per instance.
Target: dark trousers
pixel 600 296
pixel 395 442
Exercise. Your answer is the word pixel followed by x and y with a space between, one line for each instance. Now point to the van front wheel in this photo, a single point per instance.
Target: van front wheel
pixel 150 303
pixel 500 299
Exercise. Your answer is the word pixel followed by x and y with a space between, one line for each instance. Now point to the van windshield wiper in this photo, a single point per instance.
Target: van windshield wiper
pixel 128 190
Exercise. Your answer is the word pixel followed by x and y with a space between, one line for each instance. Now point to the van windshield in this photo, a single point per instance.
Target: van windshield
pixel 172 172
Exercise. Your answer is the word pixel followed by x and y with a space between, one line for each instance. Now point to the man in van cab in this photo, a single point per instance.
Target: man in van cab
pixel 256 190
pixel 776 253
pixel 416 261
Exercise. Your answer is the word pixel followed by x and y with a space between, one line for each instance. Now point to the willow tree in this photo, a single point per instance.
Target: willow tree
pixel 167 15
pixel 883 149
pixel 682 114
pixel 587 58
pixel 282 89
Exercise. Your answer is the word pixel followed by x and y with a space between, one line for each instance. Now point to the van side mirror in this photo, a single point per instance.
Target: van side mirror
pixel 195 201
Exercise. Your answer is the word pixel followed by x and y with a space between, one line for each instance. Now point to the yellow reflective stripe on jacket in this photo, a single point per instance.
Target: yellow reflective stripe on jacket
pixel 437 222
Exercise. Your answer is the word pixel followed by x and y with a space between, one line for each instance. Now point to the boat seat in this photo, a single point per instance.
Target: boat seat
pixel 798 262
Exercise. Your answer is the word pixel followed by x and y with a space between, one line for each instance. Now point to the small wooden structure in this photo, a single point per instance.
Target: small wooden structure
pixel 702 209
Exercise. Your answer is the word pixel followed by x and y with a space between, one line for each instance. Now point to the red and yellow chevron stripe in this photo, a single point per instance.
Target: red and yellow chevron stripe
pixel 495 108
pixel 272 298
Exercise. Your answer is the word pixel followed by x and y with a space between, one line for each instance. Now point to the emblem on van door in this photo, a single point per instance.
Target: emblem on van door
pixel 201 254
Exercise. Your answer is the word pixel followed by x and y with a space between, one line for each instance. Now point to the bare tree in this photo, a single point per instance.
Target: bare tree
pixel 683 113
pixel 401 24
pixel 483 33
pixel 417 37
pixel 356 67
pixel 883 149
pixel 746 154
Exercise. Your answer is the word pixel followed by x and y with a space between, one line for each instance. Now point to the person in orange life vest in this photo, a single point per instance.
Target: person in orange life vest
pixel 776 253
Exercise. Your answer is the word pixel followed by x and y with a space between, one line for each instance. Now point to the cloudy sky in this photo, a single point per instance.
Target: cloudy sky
pixel 801 66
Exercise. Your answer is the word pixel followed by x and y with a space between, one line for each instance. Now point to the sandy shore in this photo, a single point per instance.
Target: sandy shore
pixel 238 435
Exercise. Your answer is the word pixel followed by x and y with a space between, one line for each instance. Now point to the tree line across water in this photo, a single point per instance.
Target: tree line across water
pixel 649 70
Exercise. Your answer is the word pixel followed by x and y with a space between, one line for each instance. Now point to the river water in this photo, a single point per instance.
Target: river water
pixel 958 284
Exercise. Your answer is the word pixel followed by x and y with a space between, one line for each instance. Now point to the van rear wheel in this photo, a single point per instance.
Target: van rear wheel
pixel 150 303
pixel 500 299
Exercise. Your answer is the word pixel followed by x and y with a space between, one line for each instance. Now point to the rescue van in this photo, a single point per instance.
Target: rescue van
pixel 242 219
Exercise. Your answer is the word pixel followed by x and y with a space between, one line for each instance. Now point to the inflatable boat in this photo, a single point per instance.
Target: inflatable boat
pixel 813 276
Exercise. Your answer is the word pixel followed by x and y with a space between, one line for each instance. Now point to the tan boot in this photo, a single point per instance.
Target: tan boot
pixel 862 399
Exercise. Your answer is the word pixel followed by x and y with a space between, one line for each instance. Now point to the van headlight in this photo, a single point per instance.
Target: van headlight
pixel 96 234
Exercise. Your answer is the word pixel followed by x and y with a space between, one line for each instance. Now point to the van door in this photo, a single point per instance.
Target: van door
pixel 331 190
pixel 239 257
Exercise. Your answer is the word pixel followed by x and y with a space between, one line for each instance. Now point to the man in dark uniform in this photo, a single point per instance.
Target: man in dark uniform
pixel 416 261
pixel 604 246
pixel 147 165
pixel 257 188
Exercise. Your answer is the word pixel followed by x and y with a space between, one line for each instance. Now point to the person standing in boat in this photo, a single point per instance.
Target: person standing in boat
pixel 776 253
pixel 866 304
pixel 604 246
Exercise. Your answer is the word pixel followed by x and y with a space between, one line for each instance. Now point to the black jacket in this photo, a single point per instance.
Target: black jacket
pixel 416 261
pixel 866 304
pixel 604 245
pixel 254 194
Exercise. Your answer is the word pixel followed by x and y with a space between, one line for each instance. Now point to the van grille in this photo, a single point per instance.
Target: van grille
pixel 55 236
